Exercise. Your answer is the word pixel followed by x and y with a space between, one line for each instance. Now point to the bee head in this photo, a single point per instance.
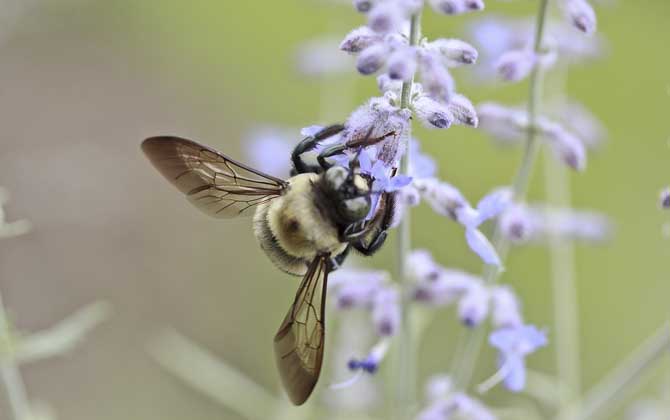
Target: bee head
pixel 349 191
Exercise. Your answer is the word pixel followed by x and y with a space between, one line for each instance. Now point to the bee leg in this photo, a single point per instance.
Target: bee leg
pixel 373 247
pixel 331 151
pixel 308 144
pixel 338 260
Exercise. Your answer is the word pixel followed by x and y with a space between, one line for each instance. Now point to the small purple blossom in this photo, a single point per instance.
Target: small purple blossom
pixel 432 113
pixel 359 39
pixel 664 198
pixel 474 305
pixel 516 65
pixel 581 15
pixel 269 148
pixel 514 345
pixel 355 288
pixel 402 64
pixel 506 308
pixel 372 58
pixel 386 312
pixel 370 363
pixel 436 79
pixel 463 111
pixel 456 7
pixel 386 17
pixel 566 146
pixel 456 406
pixel 454 51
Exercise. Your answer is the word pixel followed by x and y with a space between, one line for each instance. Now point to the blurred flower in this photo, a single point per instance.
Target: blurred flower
pixel 356 288
pixel 269 149
pixel 320 57
pixel 578 119
pixel 515 65
pixel 514 344
pixel 580 14
pixel 386 311
pixel 664 198
pixel 456 406
pixel 474 305
pixel 536 223
pixel 506 307
pixel 370 363
pixel 649 409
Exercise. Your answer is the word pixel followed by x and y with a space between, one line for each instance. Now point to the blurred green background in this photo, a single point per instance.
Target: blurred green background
pixel 84 81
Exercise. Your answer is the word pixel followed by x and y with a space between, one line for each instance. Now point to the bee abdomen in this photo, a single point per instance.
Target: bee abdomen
pixel 270 245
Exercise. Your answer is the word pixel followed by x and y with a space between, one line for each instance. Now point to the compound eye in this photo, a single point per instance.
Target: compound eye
pixel 357 208
pixel 335 177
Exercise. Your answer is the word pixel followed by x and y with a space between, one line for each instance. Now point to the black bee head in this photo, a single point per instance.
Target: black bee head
pixel 349 192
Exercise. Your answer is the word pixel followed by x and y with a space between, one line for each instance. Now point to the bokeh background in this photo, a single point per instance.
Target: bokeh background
pixel 82 82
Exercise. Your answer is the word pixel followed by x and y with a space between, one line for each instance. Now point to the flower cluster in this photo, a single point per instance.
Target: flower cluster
pixel 437 286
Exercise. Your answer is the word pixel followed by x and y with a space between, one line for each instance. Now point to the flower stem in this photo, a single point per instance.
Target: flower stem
pixel 405 362
pixel 563 276
pixel 520 184
pixel 9 371
pixel 603 398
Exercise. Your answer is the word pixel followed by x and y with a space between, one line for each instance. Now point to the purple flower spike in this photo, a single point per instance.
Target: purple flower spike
pixel 514 344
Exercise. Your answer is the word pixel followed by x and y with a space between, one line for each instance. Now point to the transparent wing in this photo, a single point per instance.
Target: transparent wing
pixel 299 342
pixel 214 183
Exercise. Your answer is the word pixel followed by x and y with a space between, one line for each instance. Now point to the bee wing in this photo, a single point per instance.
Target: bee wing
pixel 300 340
pixel 213 182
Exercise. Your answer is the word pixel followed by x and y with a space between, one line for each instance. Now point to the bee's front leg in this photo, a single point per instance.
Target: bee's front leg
pixel 308 144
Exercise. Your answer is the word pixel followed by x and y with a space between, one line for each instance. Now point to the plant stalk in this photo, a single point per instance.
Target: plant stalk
pixel 9 371
pixel 520 183
pixel 405 362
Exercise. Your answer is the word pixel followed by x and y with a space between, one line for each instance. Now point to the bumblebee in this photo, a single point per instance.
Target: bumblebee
pixel 306 225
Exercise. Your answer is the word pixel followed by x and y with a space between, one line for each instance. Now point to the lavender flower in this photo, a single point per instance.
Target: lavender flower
pixel 454 51
pixel 516 65
pixel 456 406
pixel 474 305
pixel 506 308
pixel 264 146
pixel 514 344
pixel 581 15
pixel 370 363
pixel 386 312
pixel 359 39
pixel 664 198
pixel 456 7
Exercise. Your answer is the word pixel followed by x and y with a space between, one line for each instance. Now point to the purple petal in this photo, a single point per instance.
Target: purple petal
pixel 515 380
pixel 365 162
pixel 494 203
pixel 481 246
pixel 398 182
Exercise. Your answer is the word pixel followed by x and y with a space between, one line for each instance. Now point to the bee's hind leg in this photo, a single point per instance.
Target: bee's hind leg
pixel 308 144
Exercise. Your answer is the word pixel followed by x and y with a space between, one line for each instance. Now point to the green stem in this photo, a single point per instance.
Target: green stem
pixel 563 276
pixel 605 397
pixel 475 339
pixel 405 366
pixel 9 371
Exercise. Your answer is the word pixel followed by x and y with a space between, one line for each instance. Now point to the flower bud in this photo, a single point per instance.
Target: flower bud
pixel 359 39
pixel 474 5
pixel 581 15
pixel 386 311
pixel 515 65
pixel 664 198
pixel 402 64
pixel 516 224
pixel 448 7
pixel 437 82
pixel 385 17
pixel 474 306
pixel 454 51
pixel 566 146
pixel 506 308
pixel 432 114
pixel 386 84
pixel 463 110
pixel 372 58
pixel 363 6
